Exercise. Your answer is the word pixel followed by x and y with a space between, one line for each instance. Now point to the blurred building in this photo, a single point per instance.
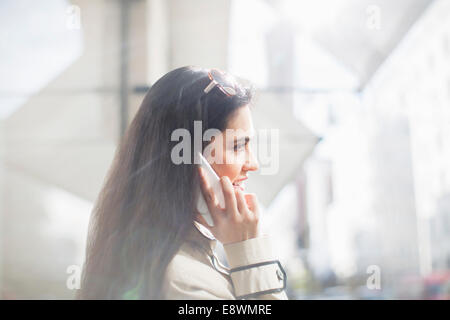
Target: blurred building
pixel 386 148
pixel 412 88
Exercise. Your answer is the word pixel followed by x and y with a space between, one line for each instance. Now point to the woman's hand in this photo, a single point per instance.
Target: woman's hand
pixel 239 219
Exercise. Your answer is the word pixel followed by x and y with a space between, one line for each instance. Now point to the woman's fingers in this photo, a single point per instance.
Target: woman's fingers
pixel 229 196
pixel 251 217
pixel 241 203
pixel 252 205
pixel 239 220
pixel 252 202
pixel 241 209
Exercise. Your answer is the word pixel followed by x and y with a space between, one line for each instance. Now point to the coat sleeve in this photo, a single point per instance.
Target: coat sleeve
pixel 255 271
pixel 255 275
pixel 183 290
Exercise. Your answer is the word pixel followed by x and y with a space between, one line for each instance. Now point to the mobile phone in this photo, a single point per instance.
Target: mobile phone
pixel 214 182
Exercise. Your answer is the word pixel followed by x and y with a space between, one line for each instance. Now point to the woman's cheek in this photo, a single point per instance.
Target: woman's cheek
pixel 232 171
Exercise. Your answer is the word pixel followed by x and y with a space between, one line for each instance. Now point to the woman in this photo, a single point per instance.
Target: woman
pixel 146 238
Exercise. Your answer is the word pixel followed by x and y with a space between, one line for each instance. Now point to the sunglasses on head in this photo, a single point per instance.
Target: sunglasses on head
pixel 221 80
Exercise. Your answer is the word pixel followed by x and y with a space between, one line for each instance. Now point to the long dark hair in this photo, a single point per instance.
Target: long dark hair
pixel 146 206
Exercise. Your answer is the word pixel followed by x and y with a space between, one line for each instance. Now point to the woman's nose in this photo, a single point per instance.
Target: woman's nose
pixel 252 163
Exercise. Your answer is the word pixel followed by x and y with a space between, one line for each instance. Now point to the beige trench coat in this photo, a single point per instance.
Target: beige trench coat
pixel 195 272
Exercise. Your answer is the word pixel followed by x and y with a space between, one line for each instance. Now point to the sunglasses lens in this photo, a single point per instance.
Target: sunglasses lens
pixel 224 81
pixel 229 90
pixel 218 76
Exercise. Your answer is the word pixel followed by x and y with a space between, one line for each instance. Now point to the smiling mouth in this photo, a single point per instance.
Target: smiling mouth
pixel 239 184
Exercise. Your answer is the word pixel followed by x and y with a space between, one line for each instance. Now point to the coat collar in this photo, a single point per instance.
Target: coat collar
pixel 202 236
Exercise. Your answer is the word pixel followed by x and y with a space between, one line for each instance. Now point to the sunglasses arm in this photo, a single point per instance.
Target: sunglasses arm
pixel 210 86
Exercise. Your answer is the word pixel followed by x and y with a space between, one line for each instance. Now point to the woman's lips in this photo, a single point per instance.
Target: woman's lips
pixel 240 184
